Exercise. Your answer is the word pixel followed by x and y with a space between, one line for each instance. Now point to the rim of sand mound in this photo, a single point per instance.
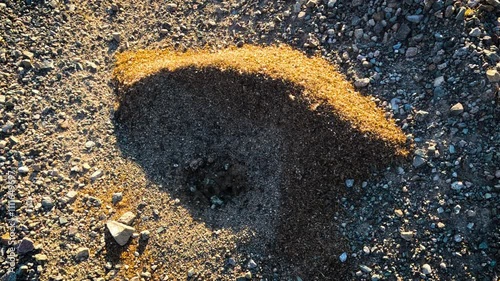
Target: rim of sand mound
pixel 330 133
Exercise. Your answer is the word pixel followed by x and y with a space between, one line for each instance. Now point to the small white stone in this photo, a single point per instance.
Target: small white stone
pixel 426 269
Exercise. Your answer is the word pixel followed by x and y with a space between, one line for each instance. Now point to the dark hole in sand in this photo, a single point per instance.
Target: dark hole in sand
pixel 276 161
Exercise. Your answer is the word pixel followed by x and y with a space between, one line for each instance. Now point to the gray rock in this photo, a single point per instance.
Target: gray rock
pixel 461 13
pixel 127 218
pixel 449 11
pixel 82 253
pixel 120 232
pixel 117 36
pixel 46 65
pixel 25 246
pixel 361 83
pixel 358 33
pixel 23 170
pixel 7 127
pixel 475 32
pixel 415 18
pixel 117 197
pixel 426 269
pixel 47 202
pixel 251 264
pixel 458 185
pixel 145 234
pixel 26 63
pixel 403 32
pixel 418 161
pixel 411 52
pixel 97 174
pixel 365 268
pixel 349 182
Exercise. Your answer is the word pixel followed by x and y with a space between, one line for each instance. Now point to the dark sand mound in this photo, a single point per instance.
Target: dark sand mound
pixel 247 149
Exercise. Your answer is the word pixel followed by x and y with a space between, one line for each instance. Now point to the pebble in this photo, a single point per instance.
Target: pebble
pixel 438 81
pixel 120 232
pixel 493 75
pixel 89 144
pixel 361 83
pixel 349 183
pixel 418 161
pixel 407 235
pixel 145 234
pixel 456 109
pixel 343 257
pixel 191 272
pixel 71 196
pixel 47 202
pixel 117 36
pixel 475 32
pixel 97 174
pixel 116 198
pixel 41 258
pixel 251 264
pixel 458 185
pixel 25 246
pixel 398 213
pixel 82 253
pixel 127 218
pixel 426 269
pixel 411 52
pixel 7 127
pixel 23 170
pixel 365 268
pixel 415 18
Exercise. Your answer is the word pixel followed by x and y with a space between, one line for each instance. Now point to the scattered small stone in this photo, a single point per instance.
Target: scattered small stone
pixel 415 18
pixel 458 185
pixel 361 83
pixel 82 253
pixel 47 202
pixel 120 232
pixel 398 213
pixel 418 161
pixel 117 36
pixel 191 272
pixel 349 183
pixel 426 269
pixel 89 144
pixel 8 127
pixel 97 174
pixel 41 258
pixel 127 218
pixel 493 75
pixel 71 196
pixel 407 235
pixel 456 109
pixel 411 52
pixel 25 246
pixel 343 257
pixel 145 234
pixel 251 264
pixel 365 268
pixel 23 170
pixel 475 32
pixel 116 198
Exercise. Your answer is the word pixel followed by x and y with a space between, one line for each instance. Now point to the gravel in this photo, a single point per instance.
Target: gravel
pixel 432 65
